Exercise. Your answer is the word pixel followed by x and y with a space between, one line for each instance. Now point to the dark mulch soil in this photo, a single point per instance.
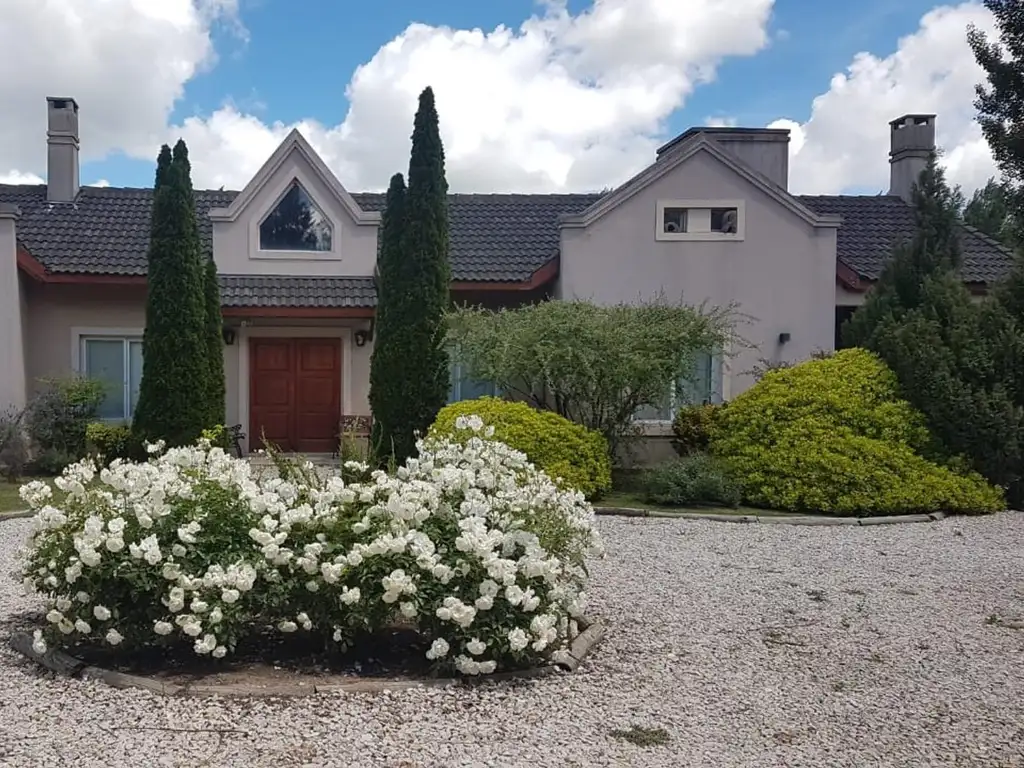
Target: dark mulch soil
pixel 396 653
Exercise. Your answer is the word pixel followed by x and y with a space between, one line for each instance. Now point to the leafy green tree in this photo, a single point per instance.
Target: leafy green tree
pixel 989 210
pixel 595 365
pixel 216 389
pixel 175 359
pixel 412 377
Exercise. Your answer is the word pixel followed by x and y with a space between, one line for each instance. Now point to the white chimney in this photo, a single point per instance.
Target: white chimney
pixel 911 142
pixel 61 149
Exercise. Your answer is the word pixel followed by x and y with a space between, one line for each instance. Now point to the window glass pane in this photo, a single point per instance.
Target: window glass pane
pixel 134 374
pixel 697 389
pixel 104 361
pixel 471 389
pixel 296 224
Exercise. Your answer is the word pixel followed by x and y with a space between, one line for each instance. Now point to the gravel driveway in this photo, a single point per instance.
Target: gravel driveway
pixel 750 645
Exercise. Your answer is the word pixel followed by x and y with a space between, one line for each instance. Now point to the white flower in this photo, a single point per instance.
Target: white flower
pixel 407 609
pixel 54 616
pixel 514 594
pixel 198 606
pixel 163 627
pixel 82 597
pixel 206 644
pixel 288 626
pixel 220 652
pixel 438 649
pixel 38 644
pixel 215 616
pixel 62 603
pixel 113 636
pixel 484 603
pixel 350 596
pixel 192 628
pixel 230 595
pixel 101 612
pixel 82 627
pixel 476 646
pixel 518 639
pixel 178 550
pixel 115 525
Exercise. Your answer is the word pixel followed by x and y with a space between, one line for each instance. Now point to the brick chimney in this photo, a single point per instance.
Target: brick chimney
pixel 61 149
pixel 911 142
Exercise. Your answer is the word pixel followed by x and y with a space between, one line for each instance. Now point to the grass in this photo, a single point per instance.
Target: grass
pixel 633 500
pixel 10 501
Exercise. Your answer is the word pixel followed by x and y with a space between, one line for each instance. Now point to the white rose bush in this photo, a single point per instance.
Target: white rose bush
pixel 469 543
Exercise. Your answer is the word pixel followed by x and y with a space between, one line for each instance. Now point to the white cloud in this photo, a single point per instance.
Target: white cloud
pixel 19 177
pixel 126 62
pixel 563 101
pixel 845 142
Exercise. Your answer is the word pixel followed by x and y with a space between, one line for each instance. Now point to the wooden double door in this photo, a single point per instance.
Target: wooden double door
pixel 295 393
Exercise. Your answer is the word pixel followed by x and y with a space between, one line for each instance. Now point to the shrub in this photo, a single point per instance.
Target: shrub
pixel 110 441
pixel 573 455
pixel 692 428
pixel 690 480
pixel 832 436
pixel 469 542
pixel 13 448
pixel 56 420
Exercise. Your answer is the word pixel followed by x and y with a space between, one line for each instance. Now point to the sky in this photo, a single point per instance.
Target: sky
pixel 549 96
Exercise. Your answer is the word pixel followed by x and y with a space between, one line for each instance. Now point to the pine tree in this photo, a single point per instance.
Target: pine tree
pixel 175 355
pixel 216 389
pixel 410 375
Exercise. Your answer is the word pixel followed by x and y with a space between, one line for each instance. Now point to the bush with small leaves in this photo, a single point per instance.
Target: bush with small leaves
pixel 692 480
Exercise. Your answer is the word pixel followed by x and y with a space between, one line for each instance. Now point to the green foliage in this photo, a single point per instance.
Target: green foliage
pixel 958 361
pixel 111 441
pixel 691 480
pixel 409 370
pixel 173 397
pixel 594 365
pixel 692 428
pixel 215 389
pixel 990 210
pixel 13 445
pixel 56 420
pixel 576 457
pixel 833 436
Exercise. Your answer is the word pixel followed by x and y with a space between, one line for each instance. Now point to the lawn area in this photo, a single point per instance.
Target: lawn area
pixel 631 500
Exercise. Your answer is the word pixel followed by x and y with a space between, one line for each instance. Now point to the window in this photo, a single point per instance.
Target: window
pixel 700 220
pixel 296 224
pixel 724 220
pixel 674 220
pixel 464 387
pixel 702 386
pixel 117 363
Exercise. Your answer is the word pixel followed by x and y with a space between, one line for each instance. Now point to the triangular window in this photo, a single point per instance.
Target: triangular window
pixel 295 224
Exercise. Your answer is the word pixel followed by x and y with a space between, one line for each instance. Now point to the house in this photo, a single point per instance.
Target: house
pixel 709 219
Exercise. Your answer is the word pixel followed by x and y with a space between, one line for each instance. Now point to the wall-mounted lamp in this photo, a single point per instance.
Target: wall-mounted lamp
pixel 363 335
pixel 784 337
pixel 229 335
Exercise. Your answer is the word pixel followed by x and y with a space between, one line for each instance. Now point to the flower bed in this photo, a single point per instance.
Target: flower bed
pixel 470 544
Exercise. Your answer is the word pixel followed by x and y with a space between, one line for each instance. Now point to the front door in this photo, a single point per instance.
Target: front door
pixel 295 393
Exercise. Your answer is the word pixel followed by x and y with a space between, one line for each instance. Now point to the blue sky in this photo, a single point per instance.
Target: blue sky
pixel 292 66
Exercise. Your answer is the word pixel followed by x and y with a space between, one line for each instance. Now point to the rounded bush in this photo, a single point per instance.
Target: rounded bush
pixel 691 480
pixel 574 456
pixel 832 436
pixel 470 543
pixel 692 428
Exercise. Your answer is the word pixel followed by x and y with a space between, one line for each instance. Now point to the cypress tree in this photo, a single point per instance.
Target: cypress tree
pixel 411 375
pixel 387 399
pixel 215 345
pixel 175 366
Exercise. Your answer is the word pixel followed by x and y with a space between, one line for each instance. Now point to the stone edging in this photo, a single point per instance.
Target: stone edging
pixel 56 660
pixel 792 519
pixel 16 515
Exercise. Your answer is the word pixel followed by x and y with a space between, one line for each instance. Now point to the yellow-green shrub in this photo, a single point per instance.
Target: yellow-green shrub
pixel 111 441
pixel 832 436
pixel 571 454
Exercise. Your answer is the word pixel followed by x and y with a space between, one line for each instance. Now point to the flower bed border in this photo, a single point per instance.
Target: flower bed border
pixel 783 519
pixel 63 664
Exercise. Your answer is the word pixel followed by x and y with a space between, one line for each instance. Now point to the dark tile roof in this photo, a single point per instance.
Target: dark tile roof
pixel 872 225
pixel 293 291
pixel 496 238
pixel 106 230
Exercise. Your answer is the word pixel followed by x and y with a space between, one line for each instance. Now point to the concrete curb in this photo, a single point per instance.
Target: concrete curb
pixel 20 515
pixel 59 662
pixel 793 519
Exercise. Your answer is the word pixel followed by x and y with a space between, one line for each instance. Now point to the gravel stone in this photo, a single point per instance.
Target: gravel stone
pixel 750 645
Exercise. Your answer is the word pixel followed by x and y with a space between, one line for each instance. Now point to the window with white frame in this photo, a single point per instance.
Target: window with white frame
pixel 117 363
pixel 700 220
pixel 703 385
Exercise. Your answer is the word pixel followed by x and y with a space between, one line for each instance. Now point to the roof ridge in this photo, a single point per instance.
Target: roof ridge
pixel 985 237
